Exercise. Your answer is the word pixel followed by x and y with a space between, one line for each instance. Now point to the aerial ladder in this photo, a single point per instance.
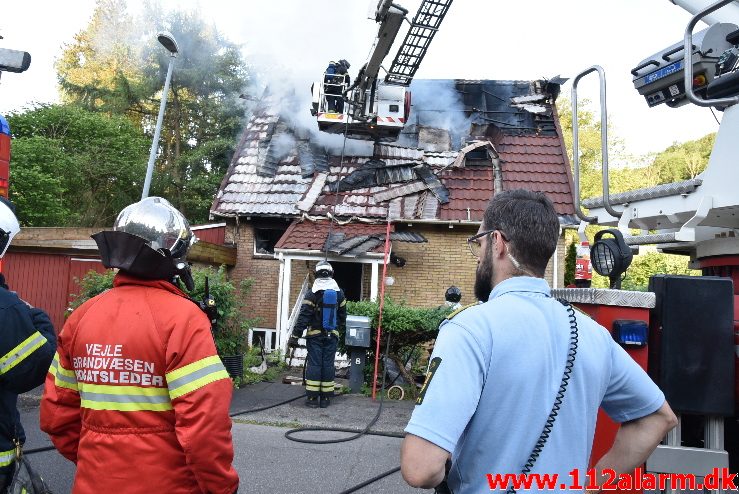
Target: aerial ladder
pixel 683 330
pixel 378 109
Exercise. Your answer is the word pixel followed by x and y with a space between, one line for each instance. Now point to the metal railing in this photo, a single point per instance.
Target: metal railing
pixel 688 71
pixel 603 143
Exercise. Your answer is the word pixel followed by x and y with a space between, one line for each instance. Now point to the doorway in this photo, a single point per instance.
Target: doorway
pixel 348 276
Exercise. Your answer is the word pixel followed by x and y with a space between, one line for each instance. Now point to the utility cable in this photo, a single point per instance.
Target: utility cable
pixel 357 433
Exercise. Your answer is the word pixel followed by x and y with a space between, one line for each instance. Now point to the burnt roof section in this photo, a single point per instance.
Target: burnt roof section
pixel 282 171
pixel 349 240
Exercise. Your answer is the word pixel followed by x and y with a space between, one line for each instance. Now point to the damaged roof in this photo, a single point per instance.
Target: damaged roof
pixel 348 240
pixel 443 167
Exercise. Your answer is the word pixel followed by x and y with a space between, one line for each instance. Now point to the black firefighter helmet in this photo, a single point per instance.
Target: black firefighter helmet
pixel 453 294
pixel 150 240
pixel 324 270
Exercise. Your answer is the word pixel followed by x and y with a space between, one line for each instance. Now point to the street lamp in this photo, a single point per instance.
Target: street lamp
pixel 167 40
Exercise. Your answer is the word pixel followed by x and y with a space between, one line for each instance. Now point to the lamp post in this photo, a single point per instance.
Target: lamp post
pixel 167 40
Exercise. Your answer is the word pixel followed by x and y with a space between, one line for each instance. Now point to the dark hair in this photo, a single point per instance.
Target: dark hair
pixel 529 222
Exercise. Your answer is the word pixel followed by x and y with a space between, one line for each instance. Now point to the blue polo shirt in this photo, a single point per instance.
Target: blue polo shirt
pixel 496 370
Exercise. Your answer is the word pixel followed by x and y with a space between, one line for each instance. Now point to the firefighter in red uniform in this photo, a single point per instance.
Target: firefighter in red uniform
pixel 136 395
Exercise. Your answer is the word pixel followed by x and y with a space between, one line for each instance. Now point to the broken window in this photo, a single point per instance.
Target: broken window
pixel 265 239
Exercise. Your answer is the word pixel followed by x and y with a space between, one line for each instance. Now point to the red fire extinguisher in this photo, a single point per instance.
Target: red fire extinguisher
pixel 583 268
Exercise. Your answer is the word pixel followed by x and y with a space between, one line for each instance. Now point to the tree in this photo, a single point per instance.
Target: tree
pixel 110 68
pixel 570 260
pixel 683 161
pixel 589 142
pixel 74 167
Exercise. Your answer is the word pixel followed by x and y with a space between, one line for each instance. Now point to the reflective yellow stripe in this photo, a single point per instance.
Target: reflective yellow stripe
pixel 21 352
pixel 308 387
pixel 328 386
pixel 7 457
pixel 63 378
pixel 125 406
pixel 187 369
pixel 194 376
pixel 313 332
pixel 122 390
pixel 343 303
pixel 123 398
pixel 308 302
pixel 312 383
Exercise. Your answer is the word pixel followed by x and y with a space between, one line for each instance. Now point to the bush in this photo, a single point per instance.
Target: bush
pixel 406 326
pixel 92 285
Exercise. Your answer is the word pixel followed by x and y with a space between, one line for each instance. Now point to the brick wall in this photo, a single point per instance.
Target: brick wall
pixel 434 266
pixel 262 300
pixel 430 269
pixel 443 261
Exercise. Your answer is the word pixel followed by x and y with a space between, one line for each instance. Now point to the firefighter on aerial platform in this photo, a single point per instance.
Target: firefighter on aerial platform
pixel 27 344
pixel 137 396
pixel 323 315
pixel 335 80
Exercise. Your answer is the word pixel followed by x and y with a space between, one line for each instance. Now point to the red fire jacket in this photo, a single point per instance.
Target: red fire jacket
pixel 137 397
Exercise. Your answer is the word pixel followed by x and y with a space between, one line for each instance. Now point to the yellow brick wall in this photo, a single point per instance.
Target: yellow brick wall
pixel 434 266
pixel 443 261
pixel 430 269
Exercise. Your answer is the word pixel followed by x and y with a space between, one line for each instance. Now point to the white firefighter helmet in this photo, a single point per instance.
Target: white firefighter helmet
pixel 324 270
pixel 9 226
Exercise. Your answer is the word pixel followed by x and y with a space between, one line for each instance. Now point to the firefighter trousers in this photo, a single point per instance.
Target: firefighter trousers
pixel 319 367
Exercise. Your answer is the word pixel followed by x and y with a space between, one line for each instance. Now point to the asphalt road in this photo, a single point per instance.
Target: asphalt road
pixel 265 460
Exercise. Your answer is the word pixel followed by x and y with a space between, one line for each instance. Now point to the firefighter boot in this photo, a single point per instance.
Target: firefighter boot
pixel 325 401
pixel 312 402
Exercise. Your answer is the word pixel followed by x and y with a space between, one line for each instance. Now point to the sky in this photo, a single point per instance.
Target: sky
pixel 292 40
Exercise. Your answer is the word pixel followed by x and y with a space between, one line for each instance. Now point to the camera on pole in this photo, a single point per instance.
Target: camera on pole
pixel 14 60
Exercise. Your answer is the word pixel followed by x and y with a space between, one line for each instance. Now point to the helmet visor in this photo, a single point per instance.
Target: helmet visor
pixel 4 241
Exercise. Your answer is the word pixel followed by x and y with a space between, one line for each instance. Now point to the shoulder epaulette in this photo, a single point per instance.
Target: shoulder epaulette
pixel 457 311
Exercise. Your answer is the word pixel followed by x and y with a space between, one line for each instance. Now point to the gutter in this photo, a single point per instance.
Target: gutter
pixel 321 254
pixel 450 223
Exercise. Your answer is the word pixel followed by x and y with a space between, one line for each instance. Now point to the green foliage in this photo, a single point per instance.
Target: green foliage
pixel 570 259
pixel 408 326
pixel 685 160
pixel 233 326
pixel 74 167
pixel 253 358
pixel 92 285
pixel 107 68
pixel 646 265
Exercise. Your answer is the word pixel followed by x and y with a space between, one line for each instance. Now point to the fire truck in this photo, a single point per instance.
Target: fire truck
pixel 10 61
pixel 377 109
pixel 685 329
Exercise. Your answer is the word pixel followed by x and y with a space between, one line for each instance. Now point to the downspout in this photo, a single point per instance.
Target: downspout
pixel 497 173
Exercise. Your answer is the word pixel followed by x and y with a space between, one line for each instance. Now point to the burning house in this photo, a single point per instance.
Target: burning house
pixel 291 194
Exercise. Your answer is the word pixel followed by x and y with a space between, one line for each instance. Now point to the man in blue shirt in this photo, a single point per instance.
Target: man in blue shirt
pixel 497 366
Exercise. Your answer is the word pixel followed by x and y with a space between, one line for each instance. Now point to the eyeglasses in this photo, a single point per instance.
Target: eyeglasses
pixel 473 242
